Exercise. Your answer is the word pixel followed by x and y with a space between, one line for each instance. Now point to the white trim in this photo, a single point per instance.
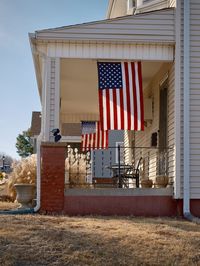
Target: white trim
pixel 152 5
pixel 47 83
pixel 177 181
pixel 145 51
pixel 70 139
pixel 57 93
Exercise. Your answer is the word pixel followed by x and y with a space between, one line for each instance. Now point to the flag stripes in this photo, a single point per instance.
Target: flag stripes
pixel 97 140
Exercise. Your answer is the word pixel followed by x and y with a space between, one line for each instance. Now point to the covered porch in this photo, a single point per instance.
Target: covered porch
pixel 66 60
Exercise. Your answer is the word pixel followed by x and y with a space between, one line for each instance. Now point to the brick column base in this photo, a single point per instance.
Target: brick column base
pixel 52 177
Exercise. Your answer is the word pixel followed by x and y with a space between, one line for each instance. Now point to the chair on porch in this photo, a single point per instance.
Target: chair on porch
pixel 132 173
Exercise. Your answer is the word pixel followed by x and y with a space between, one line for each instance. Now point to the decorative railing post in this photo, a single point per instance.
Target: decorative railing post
pixel 119 166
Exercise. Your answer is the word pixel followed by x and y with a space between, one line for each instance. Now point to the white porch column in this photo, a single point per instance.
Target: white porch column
pixel 50 97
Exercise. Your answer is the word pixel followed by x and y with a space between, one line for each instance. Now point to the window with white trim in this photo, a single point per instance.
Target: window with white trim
pixel 131 4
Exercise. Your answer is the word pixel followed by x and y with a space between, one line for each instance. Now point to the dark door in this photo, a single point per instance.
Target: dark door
pixel 163 117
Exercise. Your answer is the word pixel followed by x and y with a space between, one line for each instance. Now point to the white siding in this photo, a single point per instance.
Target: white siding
pixel 172 3
pixel 195 98
pixel 155 26
pixel 171 123
pixel 143 139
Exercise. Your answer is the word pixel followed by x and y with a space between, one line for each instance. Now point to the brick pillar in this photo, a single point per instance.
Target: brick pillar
pixel 52 177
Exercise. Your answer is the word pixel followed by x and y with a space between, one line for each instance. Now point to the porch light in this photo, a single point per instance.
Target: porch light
pixel 56 134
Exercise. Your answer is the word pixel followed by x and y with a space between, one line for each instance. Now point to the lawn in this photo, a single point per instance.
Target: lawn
pixel 61 240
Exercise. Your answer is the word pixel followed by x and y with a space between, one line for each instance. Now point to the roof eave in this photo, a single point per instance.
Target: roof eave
pixel 35 55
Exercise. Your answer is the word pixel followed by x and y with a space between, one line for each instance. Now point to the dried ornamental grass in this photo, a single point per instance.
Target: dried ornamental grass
pixel 24 172
pixel 76 165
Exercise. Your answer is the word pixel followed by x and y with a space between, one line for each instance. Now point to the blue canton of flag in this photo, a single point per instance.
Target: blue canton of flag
pixel 110 75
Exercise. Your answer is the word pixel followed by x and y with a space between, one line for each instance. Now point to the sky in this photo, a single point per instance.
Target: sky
pixel 18 88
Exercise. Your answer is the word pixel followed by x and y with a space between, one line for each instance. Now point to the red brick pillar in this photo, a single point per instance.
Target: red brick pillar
pixel 52 177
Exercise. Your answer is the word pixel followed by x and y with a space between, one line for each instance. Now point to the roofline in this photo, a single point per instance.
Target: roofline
pixel 35 57
pixel 100 21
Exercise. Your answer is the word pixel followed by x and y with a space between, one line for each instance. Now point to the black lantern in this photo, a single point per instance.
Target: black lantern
pixel 56 134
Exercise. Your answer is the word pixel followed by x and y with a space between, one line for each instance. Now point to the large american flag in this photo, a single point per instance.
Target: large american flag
pixel 120 96
pixel 93 137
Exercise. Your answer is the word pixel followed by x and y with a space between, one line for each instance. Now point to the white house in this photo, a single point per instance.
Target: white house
pixel 164 36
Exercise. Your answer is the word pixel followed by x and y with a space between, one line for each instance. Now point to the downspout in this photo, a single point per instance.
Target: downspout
pixel 38 181
pixel 186 89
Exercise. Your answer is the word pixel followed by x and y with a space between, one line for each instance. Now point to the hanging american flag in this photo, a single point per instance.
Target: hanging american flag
pixel 120 96
pixel 93 137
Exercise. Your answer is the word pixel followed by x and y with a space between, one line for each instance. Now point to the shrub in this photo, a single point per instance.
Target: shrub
pixel 1 176
pixel 24 172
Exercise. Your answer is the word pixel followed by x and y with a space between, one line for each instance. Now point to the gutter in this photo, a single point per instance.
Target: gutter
pixel 186 89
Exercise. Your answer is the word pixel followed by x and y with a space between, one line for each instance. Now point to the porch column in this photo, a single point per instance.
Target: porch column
pixel 52 177
pixel 50 97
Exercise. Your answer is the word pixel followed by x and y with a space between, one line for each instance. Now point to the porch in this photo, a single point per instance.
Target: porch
pixel 117 167
pixel 66 68
pixel 84 200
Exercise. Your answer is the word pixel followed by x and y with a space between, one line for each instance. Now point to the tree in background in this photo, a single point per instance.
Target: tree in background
pixel 24 145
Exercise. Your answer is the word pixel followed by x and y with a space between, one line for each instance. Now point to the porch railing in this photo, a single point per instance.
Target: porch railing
pixel 104 167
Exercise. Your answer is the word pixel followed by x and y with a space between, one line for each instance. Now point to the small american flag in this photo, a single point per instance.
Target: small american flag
pixel 120 96
pixel 93 137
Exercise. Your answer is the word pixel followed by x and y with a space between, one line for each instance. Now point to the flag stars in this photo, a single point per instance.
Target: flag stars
pixel 110 75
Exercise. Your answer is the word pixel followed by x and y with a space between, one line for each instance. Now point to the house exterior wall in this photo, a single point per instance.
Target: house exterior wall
pixel 143 139
pixel 119 8
pixel 194 99
pixel 194 152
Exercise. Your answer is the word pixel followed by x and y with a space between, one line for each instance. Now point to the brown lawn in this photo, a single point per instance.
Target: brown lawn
pixel 61 240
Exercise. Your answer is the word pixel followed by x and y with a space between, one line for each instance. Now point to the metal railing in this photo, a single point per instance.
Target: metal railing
pixel 98 167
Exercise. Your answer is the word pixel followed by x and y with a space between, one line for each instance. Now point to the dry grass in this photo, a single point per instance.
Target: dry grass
pixel 4 206
pixel 51 240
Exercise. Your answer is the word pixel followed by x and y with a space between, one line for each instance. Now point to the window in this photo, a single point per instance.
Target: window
pixel 131 4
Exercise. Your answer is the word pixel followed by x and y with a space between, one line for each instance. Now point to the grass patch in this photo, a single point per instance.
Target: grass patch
pixel 60 240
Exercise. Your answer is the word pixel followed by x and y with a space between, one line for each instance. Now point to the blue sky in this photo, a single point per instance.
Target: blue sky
pixel 18 88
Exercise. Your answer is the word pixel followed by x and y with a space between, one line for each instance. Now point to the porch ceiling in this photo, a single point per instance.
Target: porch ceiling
pixel 79 87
